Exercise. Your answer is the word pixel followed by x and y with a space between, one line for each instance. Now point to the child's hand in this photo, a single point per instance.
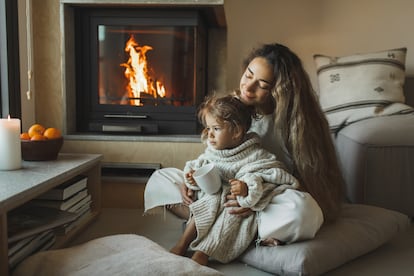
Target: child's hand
pixel 238 188
pixel 190 179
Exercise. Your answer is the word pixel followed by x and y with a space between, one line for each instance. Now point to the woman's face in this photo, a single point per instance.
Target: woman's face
pixel 256 82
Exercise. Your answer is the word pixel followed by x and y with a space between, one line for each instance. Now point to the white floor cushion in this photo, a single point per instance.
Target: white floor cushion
pixel 359 230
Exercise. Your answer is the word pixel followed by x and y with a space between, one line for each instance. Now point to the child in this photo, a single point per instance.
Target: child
pixel 249 174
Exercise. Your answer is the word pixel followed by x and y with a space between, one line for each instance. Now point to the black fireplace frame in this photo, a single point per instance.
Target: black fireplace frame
pixel 97 118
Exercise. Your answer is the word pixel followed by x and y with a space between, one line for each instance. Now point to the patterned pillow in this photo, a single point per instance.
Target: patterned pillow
pixel 361 86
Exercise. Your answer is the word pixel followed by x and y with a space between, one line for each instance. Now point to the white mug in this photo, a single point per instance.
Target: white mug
pixel 207 178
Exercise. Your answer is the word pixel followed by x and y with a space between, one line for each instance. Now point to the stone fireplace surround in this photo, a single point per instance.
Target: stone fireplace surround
pixel 212 9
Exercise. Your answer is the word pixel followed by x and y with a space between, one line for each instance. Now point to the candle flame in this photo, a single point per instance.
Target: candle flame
pixel 8 117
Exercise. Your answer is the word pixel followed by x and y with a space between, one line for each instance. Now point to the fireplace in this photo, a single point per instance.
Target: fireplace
pixel 137 70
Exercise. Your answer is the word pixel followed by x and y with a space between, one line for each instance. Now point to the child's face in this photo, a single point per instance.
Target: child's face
pixel 219 135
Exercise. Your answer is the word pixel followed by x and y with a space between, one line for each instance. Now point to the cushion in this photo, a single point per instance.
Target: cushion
pixel 360 86
pixel 359 230
pixel 124 254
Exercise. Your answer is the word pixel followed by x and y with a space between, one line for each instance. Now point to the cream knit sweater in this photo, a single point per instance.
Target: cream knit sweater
pixel 223 236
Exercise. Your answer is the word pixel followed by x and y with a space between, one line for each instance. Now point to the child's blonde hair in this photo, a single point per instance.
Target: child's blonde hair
pixel 227 110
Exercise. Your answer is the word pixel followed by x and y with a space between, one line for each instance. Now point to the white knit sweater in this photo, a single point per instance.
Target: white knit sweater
pixel 221 235
pixel 250 163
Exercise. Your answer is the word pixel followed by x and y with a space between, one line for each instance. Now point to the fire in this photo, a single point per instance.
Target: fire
pixel 136 72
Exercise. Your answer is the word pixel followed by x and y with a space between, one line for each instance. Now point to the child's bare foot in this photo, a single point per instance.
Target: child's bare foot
pixel 200 258
pixel 271 242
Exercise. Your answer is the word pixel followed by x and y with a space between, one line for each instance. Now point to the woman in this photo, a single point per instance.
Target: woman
pixel 276 83
pixel 292 126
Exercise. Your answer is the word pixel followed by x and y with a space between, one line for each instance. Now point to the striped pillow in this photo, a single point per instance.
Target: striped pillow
pixel 361 86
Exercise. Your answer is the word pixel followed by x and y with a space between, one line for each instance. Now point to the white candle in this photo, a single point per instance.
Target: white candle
pixel 10 148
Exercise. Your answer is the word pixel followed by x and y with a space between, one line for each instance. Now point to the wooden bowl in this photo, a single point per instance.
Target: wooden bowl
pixel 41 150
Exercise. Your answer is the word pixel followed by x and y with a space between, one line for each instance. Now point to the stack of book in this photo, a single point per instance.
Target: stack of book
pixel 30 230
pixel 33 226
pixel 72 196
pixel 21 249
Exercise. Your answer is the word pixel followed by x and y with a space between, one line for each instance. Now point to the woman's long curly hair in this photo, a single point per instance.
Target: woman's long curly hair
pixel 304 127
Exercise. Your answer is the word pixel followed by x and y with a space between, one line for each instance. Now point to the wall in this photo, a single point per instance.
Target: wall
pixel 334 27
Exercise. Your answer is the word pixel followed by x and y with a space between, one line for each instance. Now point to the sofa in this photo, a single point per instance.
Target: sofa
pixel 368 101
pixel 377 160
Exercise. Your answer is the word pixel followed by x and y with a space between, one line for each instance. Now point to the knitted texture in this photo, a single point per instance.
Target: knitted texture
pixel 250 163
pixel 221 235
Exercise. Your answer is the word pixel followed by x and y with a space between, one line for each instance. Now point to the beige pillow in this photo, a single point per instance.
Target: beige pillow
pixel 359 230
pixel 360 86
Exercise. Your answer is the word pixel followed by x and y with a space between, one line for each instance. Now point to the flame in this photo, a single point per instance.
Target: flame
pixel 160 89
pixel 136 72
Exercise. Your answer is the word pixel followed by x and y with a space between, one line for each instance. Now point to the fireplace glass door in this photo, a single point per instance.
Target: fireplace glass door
pixel 139 72
pixel 146 66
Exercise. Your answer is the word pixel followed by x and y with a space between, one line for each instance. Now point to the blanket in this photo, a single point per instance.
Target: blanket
pixel 163 189
pixel 124 254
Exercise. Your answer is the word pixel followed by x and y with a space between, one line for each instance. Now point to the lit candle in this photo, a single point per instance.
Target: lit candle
pixel 10 148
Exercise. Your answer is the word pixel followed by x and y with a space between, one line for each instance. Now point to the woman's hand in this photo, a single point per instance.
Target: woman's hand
pixel 186 194
pixel 235 207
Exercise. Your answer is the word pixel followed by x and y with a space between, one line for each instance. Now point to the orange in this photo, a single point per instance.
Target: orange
pixel 52 133
pixel 38 137
pixel 36 129
pixel 24 136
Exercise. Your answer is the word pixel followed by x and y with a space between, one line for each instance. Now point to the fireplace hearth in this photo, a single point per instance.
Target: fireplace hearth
pixel 137 69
